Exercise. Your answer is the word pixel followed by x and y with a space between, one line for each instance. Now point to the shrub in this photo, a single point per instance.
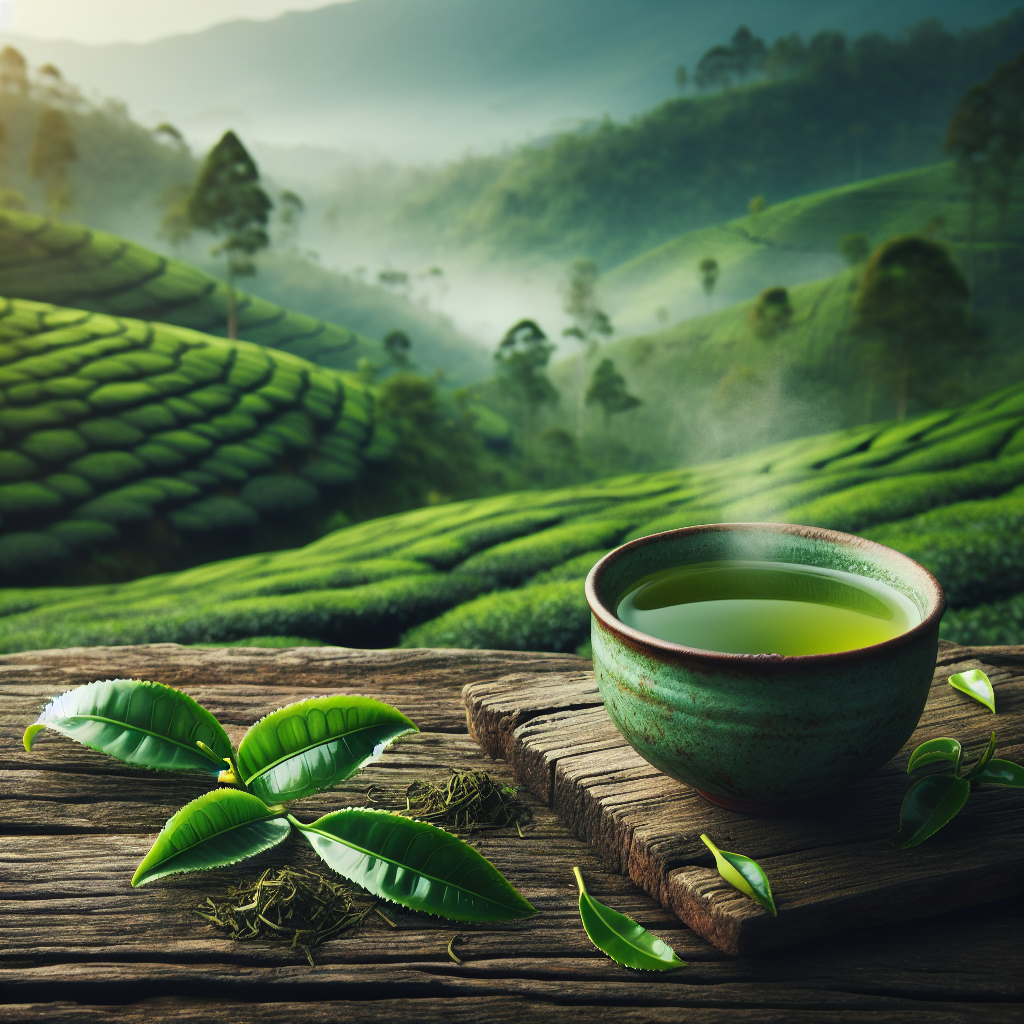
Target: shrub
pixel 541 617
pixel 1001 622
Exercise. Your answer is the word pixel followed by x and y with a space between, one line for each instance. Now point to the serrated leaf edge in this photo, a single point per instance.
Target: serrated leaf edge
pixel 598 907
pixel 401 817
pixel 39 725
pixel 207 798
pixel 377 750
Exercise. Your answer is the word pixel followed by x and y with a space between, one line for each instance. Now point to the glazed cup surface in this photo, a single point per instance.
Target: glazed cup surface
pixel 762 733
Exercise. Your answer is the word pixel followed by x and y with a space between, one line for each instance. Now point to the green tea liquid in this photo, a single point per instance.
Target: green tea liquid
pixel 740 607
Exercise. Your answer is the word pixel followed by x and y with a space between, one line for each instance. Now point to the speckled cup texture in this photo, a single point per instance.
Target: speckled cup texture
pixel 762 734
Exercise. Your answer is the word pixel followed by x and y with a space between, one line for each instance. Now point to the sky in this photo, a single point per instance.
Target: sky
pixel 134 21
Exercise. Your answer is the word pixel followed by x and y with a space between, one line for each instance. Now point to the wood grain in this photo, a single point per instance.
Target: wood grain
pixel 831 867
pixel 79 946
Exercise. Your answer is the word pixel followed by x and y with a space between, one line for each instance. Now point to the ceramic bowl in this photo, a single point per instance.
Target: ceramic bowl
pixel 764 733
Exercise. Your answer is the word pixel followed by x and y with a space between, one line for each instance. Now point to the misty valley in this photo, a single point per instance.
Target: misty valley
pixel 264 390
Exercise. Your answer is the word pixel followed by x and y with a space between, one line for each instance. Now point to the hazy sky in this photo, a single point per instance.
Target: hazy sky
pixel 134 21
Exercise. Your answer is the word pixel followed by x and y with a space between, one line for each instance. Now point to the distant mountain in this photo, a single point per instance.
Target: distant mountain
pixel 429 79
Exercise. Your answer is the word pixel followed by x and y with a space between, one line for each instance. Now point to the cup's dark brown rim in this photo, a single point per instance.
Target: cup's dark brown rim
pixel 642 642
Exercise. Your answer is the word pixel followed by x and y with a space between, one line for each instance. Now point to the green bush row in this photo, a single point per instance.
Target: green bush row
pixel 1000 622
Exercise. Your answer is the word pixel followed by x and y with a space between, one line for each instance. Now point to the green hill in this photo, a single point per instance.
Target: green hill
pixel 72 265
pixel 797 241
pixel 130 447
pixel 850 110
pixel 507 572
pixel 711 386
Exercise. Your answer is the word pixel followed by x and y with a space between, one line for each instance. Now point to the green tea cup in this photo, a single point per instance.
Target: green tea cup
pixel 762 733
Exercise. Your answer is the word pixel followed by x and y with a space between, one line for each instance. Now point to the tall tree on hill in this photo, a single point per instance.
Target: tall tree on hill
pixel 53 152
pixel 986 136
pixel 910 314
pixel 521 357
pixel 589 322
pixel 228 201
pixel 13 71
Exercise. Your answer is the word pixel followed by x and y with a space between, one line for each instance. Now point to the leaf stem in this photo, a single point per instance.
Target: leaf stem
pixel 579 881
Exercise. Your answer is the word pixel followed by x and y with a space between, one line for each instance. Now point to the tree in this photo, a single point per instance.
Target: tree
pixel 854 248
pixel 227 201
pixel 589 322
pixel 715 69
pixel 709 271
pixel 608 389
pixel 166 133
pixel 13 71
pixel 910 313
pixel 291 209
pixel 772 312
pixel 521 357
pixel 748 52
pixel 397 345
pixel 986 136
pixel 53 151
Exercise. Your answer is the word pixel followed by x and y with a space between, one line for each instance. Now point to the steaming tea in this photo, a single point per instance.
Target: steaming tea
pixel 739 607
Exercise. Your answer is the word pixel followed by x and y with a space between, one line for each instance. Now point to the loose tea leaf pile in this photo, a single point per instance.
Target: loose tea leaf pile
pixel 467 802
pixel 301 907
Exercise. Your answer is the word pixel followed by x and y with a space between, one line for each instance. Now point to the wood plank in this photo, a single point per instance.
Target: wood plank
pixel 77 944
pixel 831 867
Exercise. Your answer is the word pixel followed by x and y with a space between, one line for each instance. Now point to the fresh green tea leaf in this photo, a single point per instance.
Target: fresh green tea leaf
pixel 141 723
pixel 414 864
pixel 980 764
pixel 975 684
pixel 621 938
pixel 1000 773
pixel 316 743
pixel 215 830
pixel 929 804
pixel 942 749
pixel 743 874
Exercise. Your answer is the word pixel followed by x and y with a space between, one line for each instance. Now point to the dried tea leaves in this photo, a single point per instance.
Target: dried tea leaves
pixel 469 801
pixel 300 907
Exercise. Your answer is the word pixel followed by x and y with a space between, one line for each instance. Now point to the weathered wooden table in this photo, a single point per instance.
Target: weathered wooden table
pixel 77 944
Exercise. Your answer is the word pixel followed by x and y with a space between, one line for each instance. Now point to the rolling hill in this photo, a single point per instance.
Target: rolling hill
pixel 130 447
pixel 72 265
pixel 507 572
pixel 428 79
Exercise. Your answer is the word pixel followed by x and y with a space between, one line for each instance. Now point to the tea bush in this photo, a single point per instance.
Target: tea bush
pixel 1001 622
pixel 975 548
pixel 121 436
pixel 508 571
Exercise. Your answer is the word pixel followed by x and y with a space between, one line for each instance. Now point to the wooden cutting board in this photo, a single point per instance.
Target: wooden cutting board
pixel 831 867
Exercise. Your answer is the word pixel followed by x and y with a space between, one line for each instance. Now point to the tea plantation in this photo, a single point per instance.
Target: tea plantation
pixel 507 572
pixel 71 265
pixel 129 447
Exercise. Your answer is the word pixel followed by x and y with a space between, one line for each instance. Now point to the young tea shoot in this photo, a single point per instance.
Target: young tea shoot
pixel 935 800
pixel 621 938
pixel 294 752
pixel 743 874
pixel 977 685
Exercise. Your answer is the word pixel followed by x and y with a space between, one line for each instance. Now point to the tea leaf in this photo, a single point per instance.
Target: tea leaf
pixel 743 874
pixel 980 764
pixel 929 804
pixel 975 684
pixel 621 938
pixel 217 829
pixel 467 802
pixel 316 743
pixel 943 749
pixel 1000 773
pixel 140 723
pixel 414 864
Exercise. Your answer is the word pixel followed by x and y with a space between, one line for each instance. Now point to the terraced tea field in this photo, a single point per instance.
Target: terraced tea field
pixel 127 447
pixel 71 265
pixel 507 572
